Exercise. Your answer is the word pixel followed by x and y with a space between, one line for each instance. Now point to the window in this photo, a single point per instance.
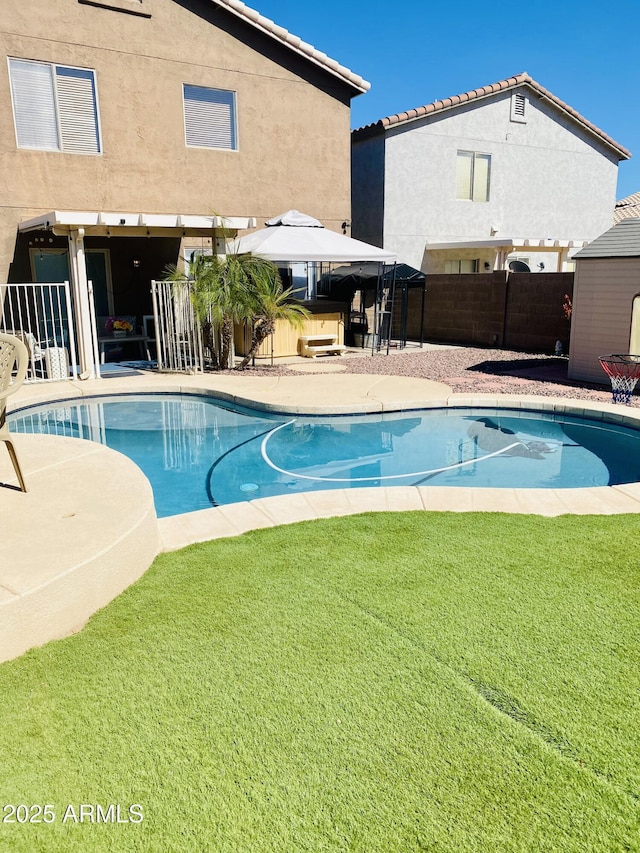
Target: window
pixel 54 107
pixel 210 118
pixel 461 266
pixel 472 176
pixel 191 253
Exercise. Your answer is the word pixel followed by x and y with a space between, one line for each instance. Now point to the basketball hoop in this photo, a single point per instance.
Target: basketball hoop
pixel 624 372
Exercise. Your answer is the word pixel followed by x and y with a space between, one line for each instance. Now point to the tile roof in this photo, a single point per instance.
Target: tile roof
pixel 621 241
pixel 627 208
pixel 483 92
pixel 308 51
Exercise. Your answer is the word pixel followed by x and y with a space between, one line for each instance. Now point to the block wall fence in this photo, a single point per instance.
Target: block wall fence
pixel 519 311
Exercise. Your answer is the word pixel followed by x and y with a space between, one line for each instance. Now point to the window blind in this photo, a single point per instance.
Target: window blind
pixel 77 110
pixel 481 177
pixel 54 107
pixel 209 117
pixel 464 172
pixel 34 105
pixel 473 173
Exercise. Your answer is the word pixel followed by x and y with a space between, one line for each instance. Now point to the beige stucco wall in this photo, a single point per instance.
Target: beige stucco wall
pixel 601 320
pixel 434 262
pixel 293 119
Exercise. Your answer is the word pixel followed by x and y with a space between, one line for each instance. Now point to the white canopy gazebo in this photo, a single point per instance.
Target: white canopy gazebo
pixel 306 252
pixel 295 237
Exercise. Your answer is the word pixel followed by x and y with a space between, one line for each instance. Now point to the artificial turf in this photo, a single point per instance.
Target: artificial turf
pixel 380 683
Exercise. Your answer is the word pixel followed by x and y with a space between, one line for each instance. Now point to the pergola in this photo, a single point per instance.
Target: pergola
pixel 77 225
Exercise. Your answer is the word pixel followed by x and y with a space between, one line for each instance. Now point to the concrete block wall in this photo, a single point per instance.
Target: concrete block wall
pixel 534 316
pixel 520 311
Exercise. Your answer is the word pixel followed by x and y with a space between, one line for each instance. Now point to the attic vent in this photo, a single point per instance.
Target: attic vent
pixel 518 107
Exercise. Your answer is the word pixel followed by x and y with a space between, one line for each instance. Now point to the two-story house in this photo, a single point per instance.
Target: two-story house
pixel 472 182
pixel 134 130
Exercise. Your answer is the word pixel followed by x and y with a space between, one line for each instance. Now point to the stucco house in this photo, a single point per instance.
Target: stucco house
pixel 137 131
pixel 606 300
pixel 469 183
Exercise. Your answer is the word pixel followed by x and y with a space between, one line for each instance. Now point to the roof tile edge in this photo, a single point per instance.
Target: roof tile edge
pixel 484 91
pixel 295 43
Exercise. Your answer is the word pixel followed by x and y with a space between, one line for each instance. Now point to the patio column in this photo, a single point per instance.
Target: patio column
pixel 500 259
pixel 562 257
pixel 219 245
pixel 85 321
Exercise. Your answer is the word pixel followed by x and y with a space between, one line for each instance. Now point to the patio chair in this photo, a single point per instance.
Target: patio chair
pixel 35 351
pixel 14 356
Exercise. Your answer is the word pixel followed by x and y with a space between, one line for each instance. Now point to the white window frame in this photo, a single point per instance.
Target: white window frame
pixel 64 131
pixel 189 127
pixel 59 116
pixel 189 253
pixel 473 193
pixel 455 267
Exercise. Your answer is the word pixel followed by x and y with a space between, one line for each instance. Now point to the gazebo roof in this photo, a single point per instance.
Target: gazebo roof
pixel 294 236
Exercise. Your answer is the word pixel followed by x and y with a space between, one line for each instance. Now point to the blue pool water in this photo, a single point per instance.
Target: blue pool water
pixel 199 452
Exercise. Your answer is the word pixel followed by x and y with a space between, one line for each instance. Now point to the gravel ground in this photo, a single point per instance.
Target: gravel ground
pixel 464 369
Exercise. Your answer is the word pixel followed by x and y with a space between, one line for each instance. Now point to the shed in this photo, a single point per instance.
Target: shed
pixel 606 300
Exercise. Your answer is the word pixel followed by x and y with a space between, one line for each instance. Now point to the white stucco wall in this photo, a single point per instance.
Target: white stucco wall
pixel 549 177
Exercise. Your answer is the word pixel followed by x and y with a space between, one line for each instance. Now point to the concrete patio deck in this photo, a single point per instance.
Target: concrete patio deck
pixel 79 536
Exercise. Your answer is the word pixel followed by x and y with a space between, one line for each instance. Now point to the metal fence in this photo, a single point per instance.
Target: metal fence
pixel 178 337
pixel 40 314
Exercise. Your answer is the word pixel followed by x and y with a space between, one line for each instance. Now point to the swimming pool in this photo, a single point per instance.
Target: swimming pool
pixel 198 451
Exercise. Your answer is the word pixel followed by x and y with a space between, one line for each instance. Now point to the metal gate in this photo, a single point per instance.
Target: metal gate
pixel 40 314
pixel 178 335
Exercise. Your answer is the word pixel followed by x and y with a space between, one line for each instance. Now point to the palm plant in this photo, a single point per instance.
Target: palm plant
pixel 232 289
pixel 267 303
pixel 202 278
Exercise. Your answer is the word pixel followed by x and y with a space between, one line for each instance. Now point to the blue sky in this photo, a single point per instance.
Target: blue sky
pixel 415 51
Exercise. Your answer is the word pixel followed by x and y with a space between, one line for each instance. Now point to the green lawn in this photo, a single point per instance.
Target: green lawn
pixel 380 683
